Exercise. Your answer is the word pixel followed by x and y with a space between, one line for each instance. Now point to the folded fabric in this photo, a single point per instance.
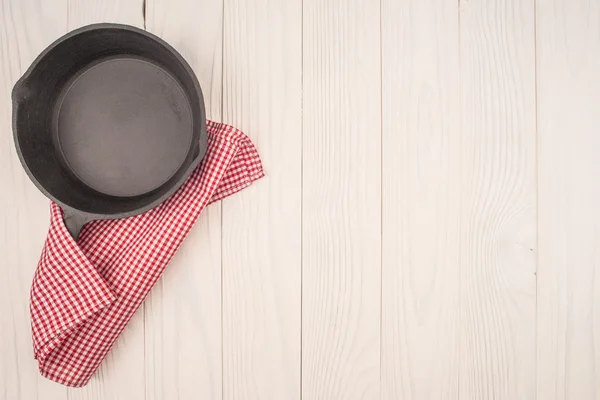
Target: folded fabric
pixel 84 293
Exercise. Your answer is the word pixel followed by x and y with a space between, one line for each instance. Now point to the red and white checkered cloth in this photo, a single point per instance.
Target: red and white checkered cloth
pixel 84 293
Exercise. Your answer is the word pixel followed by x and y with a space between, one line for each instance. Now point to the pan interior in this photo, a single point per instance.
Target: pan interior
pixel 124 126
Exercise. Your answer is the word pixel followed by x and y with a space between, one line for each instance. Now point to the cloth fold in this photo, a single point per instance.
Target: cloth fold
pixel 84 293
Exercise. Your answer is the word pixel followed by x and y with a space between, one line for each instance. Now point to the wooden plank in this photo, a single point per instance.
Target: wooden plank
pixel 497 190
pixel 262 225
pixel 183 312
pixel 341 248
pixel 421 207
pixel 84 12
pixel 121 374
pixel 568 61
pixel 26 28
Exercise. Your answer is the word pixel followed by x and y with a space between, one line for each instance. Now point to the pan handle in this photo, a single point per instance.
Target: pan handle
pixel 74 221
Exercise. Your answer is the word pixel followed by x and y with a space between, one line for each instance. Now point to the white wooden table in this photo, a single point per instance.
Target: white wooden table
pixel 428 227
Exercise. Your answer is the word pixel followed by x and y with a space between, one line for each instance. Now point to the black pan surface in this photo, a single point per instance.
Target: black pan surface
pixel 124 126
pixel 108 122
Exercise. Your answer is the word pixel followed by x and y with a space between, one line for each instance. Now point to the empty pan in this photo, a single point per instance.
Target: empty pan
pixel 108 122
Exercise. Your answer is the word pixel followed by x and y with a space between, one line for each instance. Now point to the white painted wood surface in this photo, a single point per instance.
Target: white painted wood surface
pixel 262 93
pixel 421 137
pixel 427 228
pixel 341 200
pixel 497 192
pixel 568 311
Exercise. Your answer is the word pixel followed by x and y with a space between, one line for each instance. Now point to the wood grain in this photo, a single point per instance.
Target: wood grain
pixel 26 28
pixel 121 374
pixel 341 200
pixel 497 189
pixel 84 12
pixel 262 95
pixel 421 207
pixel 183 311
pixel 568 81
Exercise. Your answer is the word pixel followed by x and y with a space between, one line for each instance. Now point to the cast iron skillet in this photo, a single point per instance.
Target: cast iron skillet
pixel 108 122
